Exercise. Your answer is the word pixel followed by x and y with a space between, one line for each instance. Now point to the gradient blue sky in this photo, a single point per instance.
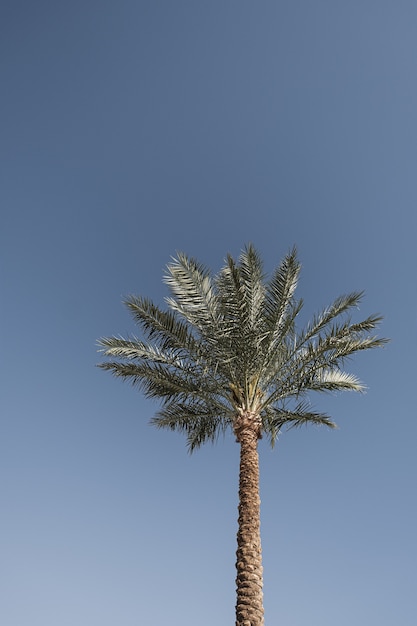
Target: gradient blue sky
pixel 134 129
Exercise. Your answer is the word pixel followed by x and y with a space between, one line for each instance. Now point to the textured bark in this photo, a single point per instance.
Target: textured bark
pixel 249 604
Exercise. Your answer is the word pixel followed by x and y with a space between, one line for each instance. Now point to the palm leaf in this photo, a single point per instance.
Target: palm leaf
pixel 193 295
pixel 199 421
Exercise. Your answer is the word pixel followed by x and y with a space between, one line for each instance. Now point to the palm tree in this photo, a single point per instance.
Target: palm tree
pixel 226 354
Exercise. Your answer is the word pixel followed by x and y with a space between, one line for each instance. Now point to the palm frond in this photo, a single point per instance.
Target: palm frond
pixel 280 292
pixel 200 422
pixel 298 419
pixel 169 332
pixel 241 295
pixel 194 297
pixel 281 310
pixel 162 326
pixel 340 306
pixel 282 417
pixel 160 380
pixel 333 380
pixel 232 295
pixel 252 281
pixel 135 349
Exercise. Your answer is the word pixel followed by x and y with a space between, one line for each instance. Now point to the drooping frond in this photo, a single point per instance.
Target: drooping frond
pixel 228 346
pixel 276 419
pixel 200 422
pixel 161 375
pixel 302 415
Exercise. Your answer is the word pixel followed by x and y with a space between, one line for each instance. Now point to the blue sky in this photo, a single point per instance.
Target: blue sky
pixel 132 130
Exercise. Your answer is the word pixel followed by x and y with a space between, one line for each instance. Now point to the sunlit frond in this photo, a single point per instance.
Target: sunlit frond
pixel 135 349
pixel 334 380
pixel 193 295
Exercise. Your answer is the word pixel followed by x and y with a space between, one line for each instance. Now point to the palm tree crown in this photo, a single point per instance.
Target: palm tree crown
pixel 226 350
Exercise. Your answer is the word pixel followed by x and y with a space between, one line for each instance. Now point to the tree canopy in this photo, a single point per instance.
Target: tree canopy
pixel 228 345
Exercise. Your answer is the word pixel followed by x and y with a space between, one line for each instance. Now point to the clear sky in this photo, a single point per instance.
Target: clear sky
pixel 134 129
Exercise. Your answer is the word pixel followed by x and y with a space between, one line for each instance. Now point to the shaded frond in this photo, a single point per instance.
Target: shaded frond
pixel 278 418
pixel 163 326
pixel 299 418
pixel 198 421
pixel 157 380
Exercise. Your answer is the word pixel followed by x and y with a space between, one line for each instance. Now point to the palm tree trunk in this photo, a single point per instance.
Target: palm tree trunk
pixel 249 604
